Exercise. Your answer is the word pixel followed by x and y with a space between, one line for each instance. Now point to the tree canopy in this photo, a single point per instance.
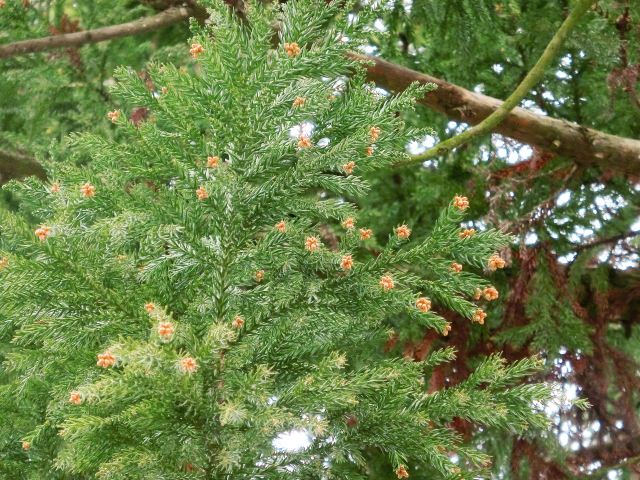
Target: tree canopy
pixel 552 189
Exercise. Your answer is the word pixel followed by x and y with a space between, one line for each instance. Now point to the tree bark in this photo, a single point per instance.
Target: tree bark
pixel 168 17
pixel 18 165
pixel 585 146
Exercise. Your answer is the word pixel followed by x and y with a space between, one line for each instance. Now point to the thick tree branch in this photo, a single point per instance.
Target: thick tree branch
pixel 142 25
pixel 18 165
pixel 583 145
pixel 526 85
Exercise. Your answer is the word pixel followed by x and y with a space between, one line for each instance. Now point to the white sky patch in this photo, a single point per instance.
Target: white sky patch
pixel 532 107
pixel 380 25
pixel 604 256
pixel 496 67
pixel 323 142
pixel 531 238
pixel 305 128
pixel 292 441
pixel 563 198
pixel 525 152
pixel 381 92
pixel 416 147
pixel 369 49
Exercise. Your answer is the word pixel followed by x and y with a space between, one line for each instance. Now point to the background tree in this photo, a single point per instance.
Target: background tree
pixel 570 288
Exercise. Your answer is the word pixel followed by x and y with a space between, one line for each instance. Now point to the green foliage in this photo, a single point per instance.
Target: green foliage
pixel 45 96
pixel 552 322
pixel 248 356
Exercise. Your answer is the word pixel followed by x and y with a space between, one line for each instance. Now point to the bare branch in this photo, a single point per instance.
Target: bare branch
pixel 142 25
pixel 527 84
pixel 19 165
pixel 585 146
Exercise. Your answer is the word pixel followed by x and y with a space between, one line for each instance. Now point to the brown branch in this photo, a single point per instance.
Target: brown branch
pixel 527 84
pixel 18 165
pixel 142 25
pixel 584 146
pixel 606 241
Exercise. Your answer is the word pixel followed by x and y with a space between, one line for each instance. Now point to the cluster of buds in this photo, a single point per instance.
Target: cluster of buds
pixel 164 90
pixel 312 244
pixel 298 102
pixel 113 116
pixel 496 262
pixel 106 360
pixel 43 232
pixel 304 142
pixel 401 472
pixel 365 233
pixel 368 151
pixel 188 365
pixel 461 203
pixel 292 49
pixel 349 167
pixel 55 187
pixel 349 223
pixel 403 232
pixel 374 133
pixel 447 329
pixel 75 397
pixel 4 261
pixel 467 232
pixel 346 263
pixel 490 293
pixel 237 322
pixel 386 282
pixel 149 307
pixel 202 193
pixel 423 304
pixel 213 161
pixel 456 267
pixel 196 50
pixel 259 275
pixel 166 330
pixel 26 445
pixel 478 316
pixel 87 190
pixel 281 226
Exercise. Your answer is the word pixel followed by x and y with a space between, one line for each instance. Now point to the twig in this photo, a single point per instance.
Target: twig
pixel 606 241
pixel 529 82
pixel 168 17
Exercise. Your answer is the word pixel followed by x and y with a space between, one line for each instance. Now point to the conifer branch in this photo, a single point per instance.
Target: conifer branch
pixel 529 82
pixel 583 145
pixel 148 24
